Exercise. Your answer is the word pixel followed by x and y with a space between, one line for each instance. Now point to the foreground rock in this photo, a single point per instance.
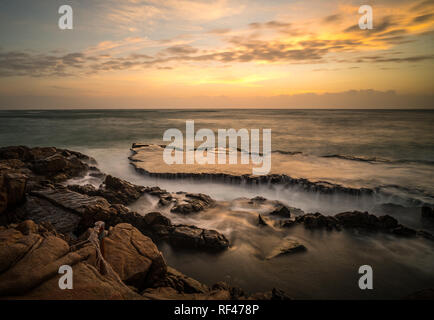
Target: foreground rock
pixel 134 256
pixel 31 254
pixel 30 257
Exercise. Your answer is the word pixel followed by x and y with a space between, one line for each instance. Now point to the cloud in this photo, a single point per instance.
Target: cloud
pixel 333 18
pixel 423 18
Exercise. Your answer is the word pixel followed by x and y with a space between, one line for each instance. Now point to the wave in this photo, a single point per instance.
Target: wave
pixel 378 160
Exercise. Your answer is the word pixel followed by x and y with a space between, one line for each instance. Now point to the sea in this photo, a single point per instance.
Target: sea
pixel 388 151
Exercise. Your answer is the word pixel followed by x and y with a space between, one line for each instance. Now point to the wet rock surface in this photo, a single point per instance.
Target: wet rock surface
pixel 288 246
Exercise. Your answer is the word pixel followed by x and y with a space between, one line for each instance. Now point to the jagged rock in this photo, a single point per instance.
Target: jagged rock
pixel 29 264
pixel 261 221
pixel 356 219
pixel 194 237
pixel 193 202
pixel 427 212
pixel 181 283
pixel 281 211
pixel 116 190
pixel 288 246
pixel 317 220
pixel 134 256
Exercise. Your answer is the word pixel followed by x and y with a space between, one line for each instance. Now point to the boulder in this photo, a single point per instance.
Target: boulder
pixel 30 257
pixel 134 256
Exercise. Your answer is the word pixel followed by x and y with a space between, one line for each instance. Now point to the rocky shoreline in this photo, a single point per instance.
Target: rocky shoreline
pixel 299 184
pixel 42 219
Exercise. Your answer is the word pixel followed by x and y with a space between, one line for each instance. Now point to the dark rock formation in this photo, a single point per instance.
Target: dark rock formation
pixel 193 202
pixel 318 221
pixel 357 220
pixel 281 211
pixel 261 221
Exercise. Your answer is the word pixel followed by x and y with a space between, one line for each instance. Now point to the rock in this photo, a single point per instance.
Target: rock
pixel 258 199
pixel 288 246
pixel 286 223
pixel 116 190
pixel 274 294
pixel 404 231
pixel 261 221
pixel 29 265
pixel 427 212
pixel 193 202
pixel 87 189
pixel 27 227
pixel 134 256
pixel 41 210
pixel 12 189
pixel 59 167
pixel 318 221
pixel 356 219
pixel 281 211
pixel 181 282
pixel 156 218
pixel 194 237
pixel 387 222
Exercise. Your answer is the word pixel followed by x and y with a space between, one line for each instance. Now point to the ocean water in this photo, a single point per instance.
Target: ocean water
pixel 389 150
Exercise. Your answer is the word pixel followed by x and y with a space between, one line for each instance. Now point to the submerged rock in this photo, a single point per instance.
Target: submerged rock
pixel 281 211
pixel 193 202
pixel 318 221
pixel 288 246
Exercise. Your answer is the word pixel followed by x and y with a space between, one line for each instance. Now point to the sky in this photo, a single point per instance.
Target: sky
pixel 216 54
